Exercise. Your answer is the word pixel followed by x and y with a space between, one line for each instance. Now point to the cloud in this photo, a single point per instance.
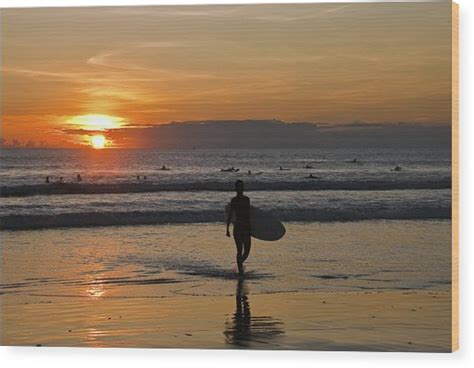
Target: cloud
pixel 116 60
pixel 236 134
pixel 79 131
pixel 43 74
pixel 298 14
pixel 258 12
pixel 175 11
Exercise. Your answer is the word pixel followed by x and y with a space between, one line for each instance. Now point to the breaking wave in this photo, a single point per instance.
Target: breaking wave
pixel 309 184
pixel 92 219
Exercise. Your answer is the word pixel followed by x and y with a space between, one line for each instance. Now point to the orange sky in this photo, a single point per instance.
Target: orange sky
pixel 101 68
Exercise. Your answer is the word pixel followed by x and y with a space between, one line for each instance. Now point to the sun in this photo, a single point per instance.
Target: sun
pixel 98 141
pixel 93 128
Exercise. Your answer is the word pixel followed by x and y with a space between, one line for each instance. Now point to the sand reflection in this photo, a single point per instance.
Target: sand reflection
pixel 246 330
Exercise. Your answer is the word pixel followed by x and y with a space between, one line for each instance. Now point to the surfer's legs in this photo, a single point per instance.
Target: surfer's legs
pixel 247 245
pixel 238 245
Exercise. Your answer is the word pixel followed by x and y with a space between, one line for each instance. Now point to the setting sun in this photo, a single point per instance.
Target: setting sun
pixel 98 141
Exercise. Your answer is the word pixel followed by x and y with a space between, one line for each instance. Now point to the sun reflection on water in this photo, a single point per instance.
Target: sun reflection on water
pixel 95 289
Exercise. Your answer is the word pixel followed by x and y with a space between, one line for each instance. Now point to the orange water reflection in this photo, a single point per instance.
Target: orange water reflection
pixel 95 291
pixel 95 287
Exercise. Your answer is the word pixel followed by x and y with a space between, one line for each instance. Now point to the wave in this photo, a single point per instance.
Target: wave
pixel 86 188
pixel 93 219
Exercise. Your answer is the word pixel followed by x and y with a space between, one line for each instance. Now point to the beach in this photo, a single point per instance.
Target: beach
pixel 364 285
pixel 142 150
pixel 117 260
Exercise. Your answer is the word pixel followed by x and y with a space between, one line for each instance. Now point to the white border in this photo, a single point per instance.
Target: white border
pixel 117 358
pixel 44 3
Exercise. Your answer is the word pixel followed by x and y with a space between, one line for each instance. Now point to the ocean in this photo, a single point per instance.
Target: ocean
pixel 194 189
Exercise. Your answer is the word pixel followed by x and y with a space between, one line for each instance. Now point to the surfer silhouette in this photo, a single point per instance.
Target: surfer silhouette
pixel 240 205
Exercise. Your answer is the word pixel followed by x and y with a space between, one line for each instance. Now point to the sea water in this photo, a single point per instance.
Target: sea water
pixel 358 226
pixel 194 189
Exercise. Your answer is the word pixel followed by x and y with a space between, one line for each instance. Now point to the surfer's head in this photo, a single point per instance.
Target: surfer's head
pixel 239 186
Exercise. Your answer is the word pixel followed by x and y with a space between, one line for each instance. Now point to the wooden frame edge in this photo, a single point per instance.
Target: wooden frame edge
pixel 455 176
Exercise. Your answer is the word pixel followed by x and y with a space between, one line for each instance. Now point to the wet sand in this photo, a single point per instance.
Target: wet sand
pixel 378 321
pixel 375 285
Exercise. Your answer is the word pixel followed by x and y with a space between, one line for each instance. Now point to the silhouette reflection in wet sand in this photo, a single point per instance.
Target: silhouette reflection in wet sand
pixel 245 330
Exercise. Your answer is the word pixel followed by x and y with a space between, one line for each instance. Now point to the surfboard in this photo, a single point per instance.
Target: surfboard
pixel 263 225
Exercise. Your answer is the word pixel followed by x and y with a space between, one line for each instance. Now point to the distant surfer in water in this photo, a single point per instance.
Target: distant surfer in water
pixel 240 204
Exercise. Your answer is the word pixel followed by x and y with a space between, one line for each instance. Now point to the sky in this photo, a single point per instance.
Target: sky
pixel 121 73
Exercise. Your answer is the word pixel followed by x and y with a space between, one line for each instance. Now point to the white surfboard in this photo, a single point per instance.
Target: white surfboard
pixel 263 225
